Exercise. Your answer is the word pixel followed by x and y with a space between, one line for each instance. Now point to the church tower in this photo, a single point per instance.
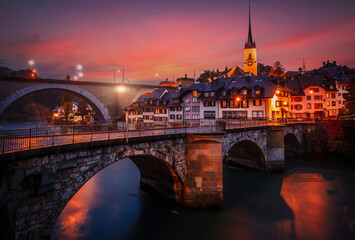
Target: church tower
pixel 250 63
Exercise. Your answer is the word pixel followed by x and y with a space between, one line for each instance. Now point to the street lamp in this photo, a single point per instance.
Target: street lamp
pixel 118 70
pixel 245 112
pixel 124 89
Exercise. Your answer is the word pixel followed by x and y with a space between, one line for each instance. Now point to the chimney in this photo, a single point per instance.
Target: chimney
pixel 323 64
pixel 335 62
pixel 327 61
pixel 185 75
pixel 300 70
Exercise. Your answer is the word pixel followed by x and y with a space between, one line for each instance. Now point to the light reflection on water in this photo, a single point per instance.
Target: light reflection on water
pixel 305 202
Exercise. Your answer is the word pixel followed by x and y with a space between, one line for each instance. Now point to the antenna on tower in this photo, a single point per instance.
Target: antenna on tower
pixel 304 66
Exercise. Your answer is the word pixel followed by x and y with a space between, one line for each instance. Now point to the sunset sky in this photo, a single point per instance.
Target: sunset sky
pixel 158 39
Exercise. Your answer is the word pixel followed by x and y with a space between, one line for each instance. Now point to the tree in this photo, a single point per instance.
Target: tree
pixel 207 76
pixel 263 70
pixel 277 70
pixel 67 104
pixel 83 108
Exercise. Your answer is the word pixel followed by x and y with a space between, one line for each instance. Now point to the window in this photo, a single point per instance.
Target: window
pixel 316 89
pixel 157 110
pixel 328 103
pixel 318 105
pixel 209 104
pixel 212 94
pixel 195 108
pixel 343 102
pixel 257 92
pixel 334 111
pixel 209 114
pixel 229 114
pixel 194 93
pixel 172 109
pixel 309 106
pixel 298 107
pixel 297 99
pixel 187 109
pixel 207 94
pixel 187 116
pixel 196 116
pixel 278 103
pixel 339 94
pixel 331 87
pixel 309 98
pixel 179 116
pixel 187 100
pixel 257 102
pixel 333 95
pixel 224 104
pixel 241 114
pixel 318 97
pixel 245 92
pixel 245 103
pixel 342 87
pixel 257 114
pixel 333 103
pixel 194 100
pixel 172 116
pixel 328 96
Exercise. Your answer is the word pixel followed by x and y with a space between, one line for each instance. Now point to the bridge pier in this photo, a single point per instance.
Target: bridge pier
pixel 204 171
pixel 275 159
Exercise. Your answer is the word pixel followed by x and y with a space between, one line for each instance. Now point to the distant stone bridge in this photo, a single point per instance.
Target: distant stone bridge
pixel 102 97
pixel 37 184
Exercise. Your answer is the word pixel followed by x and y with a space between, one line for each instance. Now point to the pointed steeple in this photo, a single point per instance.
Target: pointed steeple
pixel 250 43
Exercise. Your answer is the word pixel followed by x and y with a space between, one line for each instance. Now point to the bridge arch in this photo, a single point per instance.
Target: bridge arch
pixel 246 153
pixel 292 145
pixel 155 174
pixel 98 107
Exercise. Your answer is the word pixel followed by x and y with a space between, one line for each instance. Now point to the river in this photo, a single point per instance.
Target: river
pixel 308 201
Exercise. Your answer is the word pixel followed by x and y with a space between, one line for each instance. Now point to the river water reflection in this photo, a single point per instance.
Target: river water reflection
pixel 308 201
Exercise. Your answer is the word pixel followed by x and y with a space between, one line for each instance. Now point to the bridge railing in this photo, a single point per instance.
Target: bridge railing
pixel 31 138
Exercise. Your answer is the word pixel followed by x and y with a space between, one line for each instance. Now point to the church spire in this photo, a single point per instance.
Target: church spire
pixel 250 43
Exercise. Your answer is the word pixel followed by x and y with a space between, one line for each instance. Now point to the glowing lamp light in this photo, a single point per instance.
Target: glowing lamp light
pixel 285 103
pixel 34 70
pixel 75 77
pixel 80 74
pixel 277 91
pixel 32 74
pixel 238 99
pixel 55 115
pixel 121 89
pixel 79 66
pixel 311 91
pixel 31 62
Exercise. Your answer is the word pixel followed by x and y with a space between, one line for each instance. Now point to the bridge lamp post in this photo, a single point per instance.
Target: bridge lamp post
pixel 245 114
pixel 118 70
pixel 124 89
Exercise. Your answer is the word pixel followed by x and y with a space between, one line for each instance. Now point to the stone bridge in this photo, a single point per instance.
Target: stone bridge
pixel 36 185
pixel 102 97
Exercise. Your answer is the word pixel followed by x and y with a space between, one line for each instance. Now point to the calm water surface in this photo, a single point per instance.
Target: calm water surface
pixel 308 201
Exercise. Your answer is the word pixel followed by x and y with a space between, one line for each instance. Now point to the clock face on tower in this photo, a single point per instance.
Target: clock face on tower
pixel 250 63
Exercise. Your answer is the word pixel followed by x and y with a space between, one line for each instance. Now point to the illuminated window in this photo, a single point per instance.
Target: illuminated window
pixel 194 93
pixel 245 92
pixel 309 106
pixel 328 95
pixel 328 103
pixel 257 92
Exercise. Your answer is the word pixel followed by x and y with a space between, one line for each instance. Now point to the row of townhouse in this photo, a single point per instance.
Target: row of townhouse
pixel 314 94
pixel 228 98
pixel 319 93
